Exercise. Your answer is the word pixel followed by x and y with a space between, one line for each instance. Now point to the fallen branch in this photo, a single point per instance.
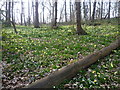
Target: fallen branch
pixel 69 71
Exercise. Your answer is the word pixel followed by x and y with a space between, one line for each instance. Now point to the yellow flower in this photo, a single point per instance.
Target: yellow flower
pixel 95 80
pixel 93 71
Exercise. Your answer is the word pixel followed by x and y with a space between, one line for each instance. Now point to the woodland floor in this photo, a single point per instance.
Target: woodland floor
pixel 35 53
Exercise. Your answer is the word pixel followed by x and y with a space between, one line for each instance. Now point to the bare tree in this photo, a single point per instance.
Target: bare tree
pixel 54 21
pixel 12 10
pixel 61 13
pixel 109 9
pixel 101 9
pixel 43 9
pixel 8 21
pixel 119 14
pixel 65 12
pixel 85 10
pixel 48 7
pixel 53 11
pixel 24 20
pixel 36 18
pixel 21 15
pixel 70 12
pixel 94 9
pixel 97 14
pixel 73 13
pixel 115 9
pixel 8 10
pixel 33 11
pixel 29 13
pixel 79 31
pixel 90 8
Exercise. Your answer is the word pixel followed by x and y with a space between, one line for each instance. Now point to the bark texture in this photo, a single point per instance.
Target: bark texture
pixel 94 9
pixel 109 9
pixel 79 31
pixel 101 9
pixel 71 70
pixel 54 20
pixel 36 21
pixel 14 26
pixel 65 12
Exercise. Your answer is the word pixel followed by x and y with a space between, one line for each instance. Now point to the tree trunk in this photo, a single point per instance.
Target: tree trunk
pixel 33 11
pixel 106 16
pixel 43 12
pixel 90 8
pixel 21 12
pixel 79 31
pixel 55 13
pixel 54 21
pixel 43 16
pixel 71 70
pixel 53 16
pixel 36 21
pixel 70 12
pixel 21 19
pixel 119 15
pixel 8 14
pixel 9 10
pixel 115 9
pixel 109 9
pixel 61 13
pixel 84 8
pixel 94 9
pixel 25 21
pixel 14 26
pixel 73 14
pixel 29 13
pixel 0 17
pixel 65 12
pixel 101 9
pixel 6 8
pixel 12 10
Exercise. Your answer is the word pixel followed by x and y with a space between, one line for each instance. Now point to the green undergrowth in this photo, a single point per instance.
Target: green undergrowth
pixel 112 21
pixel 35 53
pixel 104 74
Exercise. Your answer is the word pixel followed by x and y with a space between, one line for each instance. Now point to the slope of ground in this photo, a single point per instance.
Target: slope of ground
pixel 35 53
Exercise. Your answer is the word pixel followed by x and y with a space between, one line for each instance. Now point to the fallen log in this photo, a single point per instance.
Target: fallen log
pixel 71 70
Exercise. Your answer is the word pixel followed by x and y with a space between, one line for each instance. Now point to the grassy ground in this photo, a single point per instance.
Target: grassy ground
pixel 35 53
